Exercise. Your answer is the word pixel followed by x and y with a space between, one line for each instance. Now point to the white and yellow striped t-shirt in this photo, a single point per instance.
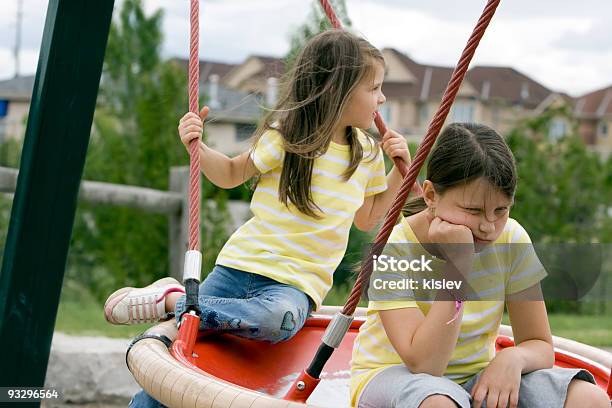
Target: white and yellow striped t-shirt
pixel 282 243
pixel 504 268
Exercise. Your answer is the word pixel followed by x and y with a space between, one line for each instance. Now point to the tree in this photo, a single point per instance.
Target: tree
pixel 134 142
pixel 558 197
pixel 562 198
pixel 316 22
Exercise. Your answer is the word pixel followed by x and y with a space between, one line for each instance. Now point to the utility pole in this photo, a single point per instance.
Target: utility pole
pixel 18 35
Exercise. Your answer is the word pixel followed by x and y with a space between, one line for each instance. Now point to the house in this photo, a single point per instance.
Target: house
pixel 507 96
pixel 497 96
pixel 15 95
pixel 562 121
pixel 254 74
pixel 414 91
pixel 594 112
pixel 237 95
pixel 233 118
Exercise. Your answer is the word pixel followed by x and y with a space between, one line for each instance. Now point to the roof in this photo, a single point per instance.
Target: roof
pixel 502 83
pixel 208 68
pixel 554 99
pixel 431 80
pixel 234 105
pixel 507 84
pixel 595 104
pixel 18 88
pixel 273 67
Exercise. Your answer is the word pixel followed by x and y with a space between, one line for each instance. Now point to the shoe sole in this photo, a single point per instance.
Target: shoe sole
pixel 118 295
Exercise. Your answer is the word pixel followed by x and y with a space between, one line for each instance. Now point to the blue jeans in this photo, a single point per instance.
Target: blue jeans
pixel 246 305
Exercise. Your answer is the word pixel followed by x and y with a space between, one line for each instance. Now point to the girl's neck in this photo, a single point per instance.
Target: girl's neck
pixel 419 223
pixel 339 136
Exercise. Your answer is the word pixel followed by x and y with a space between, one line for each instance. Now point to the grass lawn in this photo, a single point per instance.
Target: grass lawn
pixel 86 318
pixel 595 330
pixel 592 330
pixel 80 314
pixel 83 315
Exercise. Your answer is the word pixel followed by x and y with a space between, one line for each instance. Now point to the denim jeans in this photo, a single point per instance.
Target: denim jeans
pixel 246 305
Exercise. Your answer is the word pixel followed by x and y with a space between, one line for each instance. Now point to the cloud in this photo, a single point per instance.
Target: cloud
pixel 231 31
pixel 526 44
pixel 34 12
pixel 513 9
pixel 28 60
pixel 597 38
pixel 563 44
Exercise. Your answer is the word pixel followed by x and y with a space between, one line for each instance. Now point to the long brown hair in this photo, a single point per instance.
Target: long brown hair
pixel 463 153
pixel 313 97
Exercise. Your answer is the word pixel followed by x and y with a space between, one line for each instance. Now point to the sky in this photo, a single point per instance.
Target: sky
pixel 564 44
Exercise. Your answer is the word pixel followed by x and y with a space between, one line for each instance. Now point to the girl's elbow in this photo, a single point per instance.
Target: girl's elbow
pixel 364 226
pixel 224 184
pixel 231 184
pixel 425 369
pixel 547 353
pixel 229 181
pixel 420 366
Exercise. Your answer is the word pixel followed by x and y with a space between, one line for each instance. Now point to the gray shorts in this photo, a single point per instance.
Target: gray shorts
pixel 397 387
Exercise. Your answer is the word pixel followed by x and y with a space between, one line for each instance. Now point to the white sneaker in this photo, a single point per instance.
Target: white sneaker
pixel 140 305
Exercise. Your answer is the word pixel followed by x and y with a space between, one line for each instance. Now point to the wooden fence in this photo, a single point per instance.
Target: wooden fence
pixel 172 202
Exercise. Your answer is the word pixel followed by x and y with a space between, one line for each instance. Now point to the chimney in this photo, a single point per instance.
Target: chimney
pixel 486 90
pixel 214 92
pixel 525 91
pixel 271 91
pixel 426 84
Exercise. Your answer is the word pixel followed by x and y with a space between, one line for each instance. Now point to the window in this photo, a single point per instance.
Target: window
pixel 424 114
pixel 3 108
pixel 557 129
pixel 463 111
pixel 244 131
pixel 385 112
pixel 603 129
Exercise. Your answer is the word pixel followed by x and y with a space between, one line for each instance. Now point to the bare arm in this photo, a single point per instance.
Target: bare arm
pixel 424 343
pixel 531 330
pixel 500 381
pixel 375 207
pixel 221 170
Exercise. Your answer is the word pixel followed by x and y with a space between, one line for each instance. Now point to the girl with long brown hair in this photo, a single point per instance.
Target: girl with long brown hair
pixel 317 171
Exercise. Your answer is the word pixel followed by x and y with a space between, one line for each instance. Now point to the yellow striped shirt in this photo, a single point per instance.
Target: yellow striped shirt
pixel 282 243
pixel 520 269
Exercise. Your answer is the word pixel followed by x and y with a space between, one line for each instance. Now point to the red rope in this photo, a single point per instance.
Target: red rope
pixel 421 154
pixel 331 15
pixel 194 148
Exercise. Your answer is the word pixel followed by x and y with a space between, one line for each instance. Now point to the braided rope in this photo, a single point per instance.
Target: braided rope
pixel 331 15
pixel 194 148
pixel 421 154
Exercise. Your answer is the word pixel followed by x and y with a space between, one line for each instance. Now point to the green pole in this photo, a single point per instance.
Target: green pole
pixel 57 135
